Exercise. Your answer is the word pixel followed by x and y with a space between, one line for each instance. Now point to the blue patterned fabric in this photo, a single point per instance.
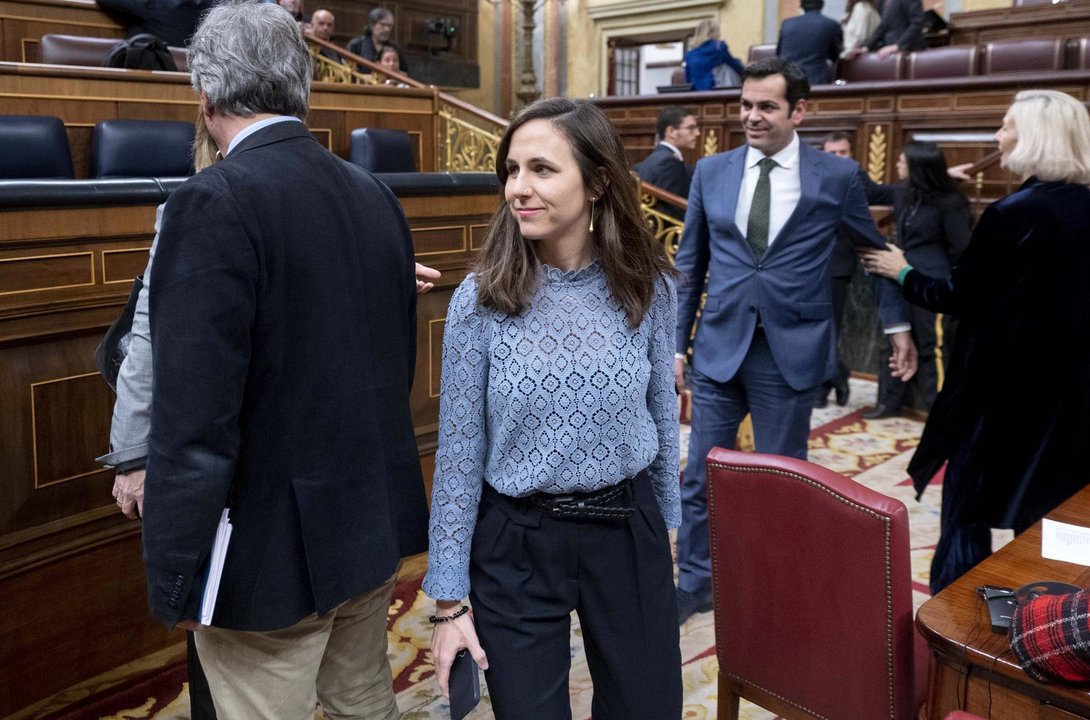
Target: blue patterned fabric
pixel 564 397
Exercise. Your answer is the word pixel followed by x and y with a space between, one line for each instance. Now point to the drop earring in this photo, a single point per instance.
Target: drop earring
pixel 592 200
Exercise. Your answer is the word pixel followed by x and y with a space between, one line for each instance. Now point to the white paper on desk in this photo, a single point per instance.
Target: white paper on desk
pixel 1062 541
pixel 215 568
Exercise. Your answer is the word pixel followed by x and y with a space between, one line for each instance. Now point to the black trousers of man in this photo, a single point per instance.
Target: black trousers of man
pixel 529 570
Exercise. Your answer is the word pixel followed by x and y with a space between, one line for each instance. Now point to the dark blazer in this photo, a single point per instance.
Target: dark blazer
pixel 811 40
pixel 790 287
pixel 1020 293
pixel 933 235
pixel 662 169
pixel 901 25
pixel 283 345
pixel 700 63
pixel 172 21
pixel 844 257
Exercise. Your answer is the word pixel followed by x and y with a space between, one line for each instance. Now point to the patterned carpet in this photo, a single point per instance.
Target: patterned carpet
pixel 875 453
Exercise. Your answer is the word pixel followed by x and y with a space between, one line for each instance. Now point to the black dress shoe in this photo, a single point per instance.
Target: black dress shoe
pixel 880 411
pixel 822 400
pixel 843 392
pixel 691 603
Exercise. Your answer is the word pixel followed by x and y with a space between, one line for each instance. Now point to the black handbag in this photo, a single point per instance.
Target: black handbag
pixel 114 346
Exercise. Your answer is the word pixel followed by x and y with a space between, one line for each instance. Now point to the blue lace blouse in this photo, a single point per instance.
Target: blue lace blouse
pixel 563 397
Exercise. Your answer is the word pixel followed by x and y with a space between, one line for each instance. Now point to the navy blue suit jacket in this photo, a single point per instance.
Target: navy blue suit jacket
pixel 790 287
pixel 811 40
pixel 284 347
pixel 662 169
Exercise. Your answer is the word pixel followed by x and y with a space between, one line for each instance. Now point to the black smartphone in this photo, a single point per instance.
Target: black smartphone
pixel 1001 605
pixel 465 685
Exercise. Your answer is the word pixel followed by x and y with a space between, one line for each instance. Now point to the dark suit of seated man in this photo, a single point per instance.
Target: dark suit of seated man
pixel 283 351
pixel 811 40
pixel 761 226
pixel 665 167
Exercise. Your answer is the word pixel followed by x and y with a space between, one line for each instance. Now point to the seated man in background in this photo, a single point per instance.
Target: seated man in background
pixel 377 34
pixel 665 167
pixel 322 24
pixel 811 40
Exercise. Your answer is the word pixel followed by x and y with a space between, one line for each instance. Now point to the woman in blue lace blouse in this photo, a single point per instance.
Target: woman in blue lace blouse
pixel 557 470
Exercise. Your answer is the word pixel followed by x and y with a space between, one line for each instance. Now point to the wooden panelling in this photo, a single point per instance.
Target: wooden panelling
pixel 34 273
pixel 22 22
pixel 1070 18
pixel 85 96
pixel 440 240
pixel 971 105
pixel 70 567
pixel 121 266
pixel 59 454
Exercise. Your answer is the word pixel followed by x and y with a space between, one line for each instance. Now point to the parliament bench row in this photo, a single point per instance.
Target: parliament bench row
pixel 34 146
pixel 1000 56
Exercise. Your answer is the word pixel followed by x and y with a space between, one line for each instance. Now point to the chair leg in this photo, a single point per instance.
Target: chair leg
pixel 728 701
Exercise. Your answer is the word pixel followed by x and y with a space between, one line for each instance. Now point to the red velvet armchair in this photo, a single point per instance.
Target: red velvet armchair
pixel 812 591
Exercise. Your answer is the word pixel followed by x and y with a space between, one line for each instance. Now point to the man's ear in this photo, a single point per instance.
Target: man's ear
pixel 799 112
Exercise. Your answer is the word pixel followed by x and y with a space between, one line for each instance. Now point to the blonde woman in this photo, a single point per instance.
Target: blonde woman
pixel 708 54
pixel 1020 292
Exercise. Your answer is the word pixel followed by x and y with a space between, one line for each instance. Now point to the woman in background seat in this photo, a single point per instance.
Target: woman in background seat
pixel 710 57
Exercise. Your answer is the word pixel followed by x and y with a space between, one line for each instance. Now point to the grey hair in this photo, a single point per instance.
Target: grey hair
pixel 379 13
pixel 250 58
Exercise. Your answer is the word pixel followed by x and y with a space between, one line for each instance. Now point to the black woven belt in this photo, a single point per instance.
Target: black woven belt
pixel 585 506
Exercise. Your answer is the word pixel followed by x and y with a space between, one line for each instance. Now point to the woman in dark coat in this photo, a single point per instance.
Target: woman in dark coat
pixel 1022 294
pixel 933 226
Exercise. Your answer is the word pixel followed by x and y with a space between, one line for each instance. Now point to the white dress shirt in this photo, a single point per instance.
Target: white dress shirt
pixel 674 150
pixel 785 185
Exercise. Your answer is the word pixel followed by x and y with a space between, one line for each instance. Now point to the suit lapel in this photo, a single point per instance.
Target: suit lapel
pixel 736 165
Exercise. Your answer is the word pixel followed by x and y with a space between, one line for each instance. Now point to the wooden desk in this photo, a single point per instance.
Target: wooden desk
pixel 971 667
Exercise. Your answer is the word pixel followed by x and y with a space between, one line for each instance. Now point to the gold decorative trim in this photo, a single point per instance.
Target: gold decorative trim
pixel 419 149
pixel 711 142
pixel 432 391
pixel 90 256
pixel 34 433
pixel 328 136
pixel 96 98
pixel 464 147
pixel 471 229
pixel 143 250
pixel 60 21
pixel 465 242
pixel 665 228
pixel 876 154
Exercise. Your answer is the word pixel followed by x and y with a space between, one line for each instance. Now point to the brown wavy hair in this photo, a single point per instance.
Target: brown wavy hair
pixel 508 268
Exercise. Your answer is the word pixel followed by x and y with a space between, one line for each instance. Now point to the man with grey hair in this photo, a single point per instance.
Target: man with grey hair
pixel 378 34
pixel 283 356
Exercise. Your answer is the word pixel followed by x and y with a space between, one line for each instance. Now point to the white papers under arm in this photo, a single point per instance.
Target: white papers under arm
pixel 215 568
pixel 1062 541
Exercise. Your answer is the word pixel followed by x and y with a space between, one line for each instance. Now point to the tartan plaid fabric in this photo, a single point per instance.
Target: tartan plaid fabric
pixel 1050 636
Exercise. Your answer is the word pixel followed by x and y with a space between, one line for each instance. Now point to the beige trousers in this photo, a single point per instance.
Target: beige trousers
pixel 338 658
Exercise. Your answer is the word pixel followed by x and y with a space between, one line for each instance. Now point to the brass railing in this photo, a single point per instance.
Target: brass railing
pixel 665 227
pixel 467 137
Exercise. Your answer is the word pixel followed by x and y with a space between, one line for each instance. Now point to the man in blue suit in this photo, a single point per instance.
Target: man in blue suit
pixel 761 225
pixel 811 40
